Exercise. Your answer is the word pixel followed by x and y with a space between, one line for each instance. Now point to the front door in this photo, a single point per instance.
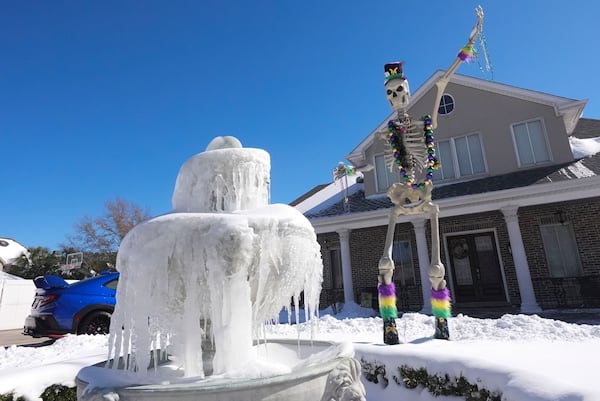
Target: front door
pixel 475 268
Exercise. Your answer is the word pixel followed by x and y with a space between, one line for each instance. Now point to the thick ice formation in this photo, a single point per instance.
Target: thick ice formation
pixel 220 265
pixel 223 180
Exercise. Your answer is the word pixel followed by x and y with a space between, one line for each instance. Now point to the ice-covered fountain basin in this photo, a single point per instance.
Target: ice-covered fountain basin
pixel 313 368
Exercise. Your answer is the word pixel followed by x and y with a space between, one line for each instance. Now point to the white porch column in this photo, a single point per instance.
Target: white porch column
pixel 528 301
pixel 423 255
pixel 346 266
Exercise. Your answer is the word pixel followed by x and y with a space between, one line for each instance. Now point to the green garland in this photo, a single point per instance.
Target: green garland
pixel 437 385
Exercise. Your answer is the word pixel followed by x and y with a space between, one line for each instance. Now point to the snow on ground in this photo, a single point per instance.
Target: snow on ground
pixel 8 276
pixel 527 358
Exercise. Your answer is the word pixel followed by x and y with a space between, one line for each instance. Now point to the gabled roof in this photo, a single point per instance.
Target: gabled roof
pixel 308 194
pixel 578 169
pixel 324 195
pixel 569 109
pixel 587 128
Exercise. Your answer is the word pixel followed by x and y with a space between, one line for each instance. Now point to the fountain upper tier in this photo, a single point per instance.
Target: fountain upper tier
pixel 223 179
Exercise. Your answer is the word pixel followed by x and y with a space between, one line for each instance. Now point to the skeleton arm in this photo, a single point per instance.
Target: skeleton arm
pixel 443 81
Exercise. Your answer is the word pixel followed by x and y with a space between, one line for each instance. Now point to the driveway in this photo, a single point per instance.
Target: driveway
pixel 16 337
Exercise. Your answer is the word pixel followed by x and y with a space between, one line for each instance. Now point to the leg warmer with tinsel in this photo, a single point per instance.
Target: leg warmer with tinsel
pixel 440 303
pixel 440 306
pixel 387 301
pixel 388 312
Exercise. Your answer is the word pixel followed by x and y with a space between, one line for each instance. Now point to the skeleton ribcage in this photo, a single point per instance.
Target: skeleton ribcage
pixel 414 152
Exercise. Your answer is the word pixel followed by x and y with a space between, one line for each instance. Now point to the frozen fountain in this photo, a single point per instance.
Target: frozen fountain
pixel 197 286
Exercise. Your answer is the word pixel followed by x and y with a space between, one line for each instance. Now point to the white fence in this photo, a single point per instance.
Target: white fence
pixel 16 297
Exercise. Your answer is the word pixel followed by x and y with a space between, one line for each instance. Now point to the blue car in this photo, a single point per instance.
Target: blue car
pixel 84 307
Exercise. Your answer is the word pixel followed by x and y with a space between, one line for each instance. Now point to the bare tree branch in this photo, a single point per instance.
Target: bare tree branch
pixel 104 234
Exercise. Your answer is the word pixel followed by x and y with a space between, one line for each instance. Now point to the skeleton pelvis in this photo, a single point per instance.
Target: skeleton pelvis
pixel 406 196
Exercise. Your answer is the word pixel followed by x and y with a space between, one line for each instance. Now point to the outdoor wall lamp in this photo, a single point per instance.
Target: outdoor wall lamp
pixel 561 216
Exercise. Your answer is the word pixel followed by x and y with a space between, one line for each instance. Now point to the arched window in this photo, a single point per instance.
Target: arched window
pixel 446 104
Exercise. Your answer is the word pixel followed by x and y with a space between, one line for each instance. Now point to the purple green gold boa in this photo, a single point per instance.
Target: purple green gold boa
pixel 387 301
pixel 440 303
pixel 467 53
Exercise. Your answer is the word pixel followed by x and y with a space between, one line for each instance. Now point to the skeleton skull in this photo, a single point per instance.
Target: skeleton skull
pixel 398 93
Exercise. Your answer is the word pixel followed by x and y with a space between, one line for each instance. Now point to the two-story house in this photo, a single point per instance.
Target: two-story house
pixel 519 210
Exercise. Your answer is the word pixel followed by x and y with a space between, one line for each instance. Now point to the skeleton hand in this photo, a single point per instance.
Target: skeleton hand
pixel 386 270
pixel 436 276
pixel 476 31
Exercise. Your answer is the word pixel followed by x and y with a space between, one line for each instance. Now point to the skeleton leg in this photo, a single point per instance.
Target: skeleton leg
pixel 386 264
pixel 440 296
pixel 386 288
pixel 436 269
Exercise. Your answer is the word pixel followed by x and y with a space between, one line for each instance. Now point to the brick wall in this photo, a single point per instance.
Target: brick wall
pixel 328 242
pixel 584 216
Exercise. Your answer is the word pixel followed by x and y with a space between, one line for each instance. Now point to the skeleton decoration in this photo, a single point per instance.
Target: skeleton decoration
pixel 411 150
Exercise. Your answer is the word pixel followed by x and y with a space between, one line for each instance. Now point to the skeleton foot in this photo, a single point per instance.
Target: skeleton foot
pixel 436 276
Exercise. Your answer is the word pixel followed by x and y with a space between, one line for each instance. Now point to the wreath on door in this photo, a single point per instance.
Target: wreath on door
pixel 460 250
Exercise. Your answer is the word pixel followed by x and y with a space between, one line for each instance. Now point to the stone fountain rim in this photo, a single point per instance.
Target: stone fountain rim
pixel 218 385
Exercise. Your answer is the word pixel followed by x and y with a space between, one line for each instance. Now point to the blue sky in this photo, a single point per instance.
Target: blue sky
pixel 106 99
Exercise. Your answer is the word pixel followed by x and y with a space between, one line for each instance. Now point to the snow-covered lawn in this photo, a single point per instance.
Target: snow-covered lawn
pixel 526 358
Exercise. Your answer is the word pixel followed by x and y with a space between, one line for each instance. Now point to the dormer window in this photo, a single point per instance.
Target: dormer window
pixel 446 104
pixel 461 156
pixel 531 143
